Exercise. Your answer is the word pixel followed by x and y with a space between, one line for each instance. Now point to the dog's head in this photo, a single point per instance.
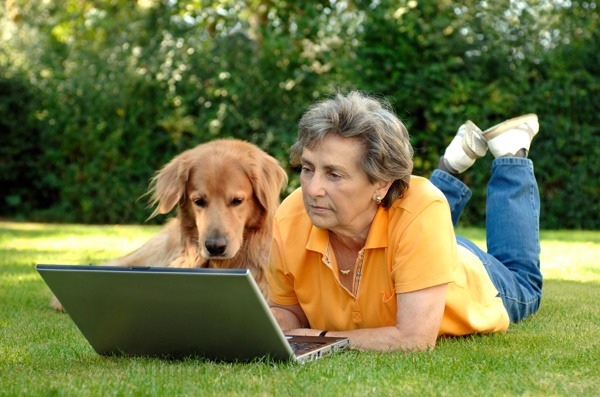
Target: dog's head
pixel 224 189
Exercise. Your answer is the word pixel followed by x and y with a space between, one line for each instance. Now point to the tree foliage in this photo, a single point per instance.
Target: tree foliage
pixel 96 95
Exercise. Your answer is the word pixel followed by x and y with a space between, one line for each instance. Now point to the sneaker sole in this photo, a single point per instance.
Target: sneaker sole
pixel 501 128
pixel 473 143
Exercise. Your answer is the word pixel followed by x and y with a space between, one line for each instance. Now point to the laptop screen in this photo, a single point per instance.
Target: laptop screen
pixel 216 313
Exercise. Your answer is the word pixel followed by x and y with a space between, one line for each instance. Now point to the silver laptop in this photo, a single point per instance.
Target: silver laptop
pixel 219 314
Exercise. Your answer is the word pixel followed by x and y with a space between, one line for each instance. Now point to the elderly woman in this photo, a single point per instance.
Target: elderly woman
pixel 366 250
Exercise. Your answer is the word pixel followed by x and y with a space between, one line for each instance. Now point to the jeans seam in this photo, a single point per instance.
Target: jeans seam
pixel 463 194
pixel 533 201
pixel 535 299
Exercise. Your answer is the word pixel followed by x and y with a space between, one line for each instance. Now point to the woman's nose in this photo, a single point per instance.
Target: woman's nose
pixel 314 186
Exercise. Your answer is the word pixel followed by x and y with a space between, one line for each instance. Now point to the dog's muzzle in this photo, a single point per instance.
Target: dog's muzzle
pixel 216 246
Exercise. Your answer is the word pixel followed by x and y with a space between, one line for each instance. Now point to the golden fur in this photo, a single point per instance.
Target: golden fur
pixel 227 192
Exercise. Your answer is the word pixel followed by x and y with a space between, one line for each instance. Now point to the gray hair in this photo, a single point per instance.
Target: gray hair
pixel 387 155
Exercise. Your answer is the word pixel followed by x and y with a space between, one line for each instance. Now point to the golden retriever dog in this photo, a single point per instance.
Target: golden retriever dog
pixel 226 192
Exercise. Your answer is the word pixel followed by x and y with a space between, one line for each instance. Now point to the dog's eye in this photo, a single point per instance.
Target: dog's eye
pixel 200 202
pixel 236 201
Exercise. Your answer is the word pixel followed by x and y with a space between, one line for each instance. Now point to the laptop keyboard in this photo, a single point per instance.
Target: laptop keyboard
pixel 301 347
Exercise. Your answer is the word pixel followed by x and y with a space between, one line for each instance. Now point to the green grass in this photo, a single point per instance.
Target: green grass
pixel 554 352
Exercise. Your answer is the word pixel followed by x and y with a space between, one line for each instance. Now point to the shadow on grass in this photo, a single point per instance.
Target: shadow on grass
pixel 23 261
pixel 33 231
pixel 546 236
pixel 571 236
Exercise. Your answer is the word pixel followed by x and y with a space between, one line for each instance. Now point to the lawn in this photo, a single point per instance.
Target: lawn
pixel 554 352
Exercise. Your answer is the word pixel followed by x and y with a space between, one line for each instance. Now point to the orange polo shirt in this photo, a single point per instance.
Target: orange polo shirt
pixel 410 246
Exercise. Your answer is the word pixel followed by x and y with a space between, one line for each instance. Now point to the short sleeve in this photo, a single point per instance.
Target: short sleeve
pixel 426 251
pixel 281 283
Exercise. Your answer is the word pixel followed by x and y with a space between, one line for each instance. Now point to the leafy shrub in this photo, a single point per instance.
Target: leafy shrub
pixel 96 97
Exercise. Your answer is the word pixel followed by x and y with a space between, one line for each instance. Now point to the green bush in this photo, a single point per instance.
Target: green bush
pixel 437 79
pixel 22 161
pixel 97 96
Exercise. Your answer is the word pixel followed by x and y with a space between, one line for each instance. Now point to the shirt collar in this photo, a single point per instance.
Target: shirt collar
pixel 378 234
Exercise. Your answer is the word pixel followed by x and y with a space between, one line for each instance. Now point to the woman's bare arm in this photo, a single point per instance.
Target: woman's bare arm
pixel 418 321
pixel 288 317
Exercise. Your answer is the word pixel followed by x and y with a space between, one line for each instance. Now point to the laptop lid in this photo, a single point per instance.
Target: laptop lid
pixel 170 312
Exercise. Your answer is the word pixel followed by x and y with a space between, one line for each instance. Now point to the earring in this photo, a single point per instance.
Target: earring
pixel 378 199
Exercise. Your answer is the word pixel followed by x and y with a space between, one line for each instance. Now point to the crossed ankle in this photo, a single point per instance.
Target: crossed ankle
pixel 521 153
pixel 443 166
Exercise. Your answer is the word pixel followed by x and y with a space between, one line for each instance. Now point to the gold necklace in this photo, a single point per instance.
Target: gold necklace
pixel 345 272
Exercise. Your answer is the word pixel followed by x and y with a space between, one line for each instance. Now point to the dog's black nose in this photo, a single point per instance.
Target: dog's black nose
pixel 216 246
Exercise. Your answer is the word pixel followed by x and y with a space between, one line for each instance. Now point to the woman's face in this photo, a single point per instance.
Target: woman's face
pixel 336 191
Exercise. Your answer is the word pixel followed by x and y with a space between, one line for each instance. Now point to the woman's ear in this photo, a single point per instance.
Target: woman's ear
pixel 382 189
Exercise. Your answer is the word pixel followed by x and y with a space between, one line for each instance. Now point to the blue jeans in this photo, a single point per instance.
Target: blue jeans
pixel 512 230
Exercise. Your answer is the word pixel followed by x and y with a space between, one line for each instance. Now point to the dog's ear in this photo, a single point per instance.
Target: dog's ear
pixel 268 178
pixel 168 186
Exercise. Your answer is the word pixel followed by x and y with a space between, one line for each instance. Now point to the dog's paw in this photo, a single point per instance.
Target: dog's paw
pixel 56 305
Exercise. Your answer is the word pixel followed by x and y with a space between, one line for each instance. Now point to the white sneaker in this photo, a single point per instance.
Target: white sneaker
pixel 507 138
pixel 466 147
